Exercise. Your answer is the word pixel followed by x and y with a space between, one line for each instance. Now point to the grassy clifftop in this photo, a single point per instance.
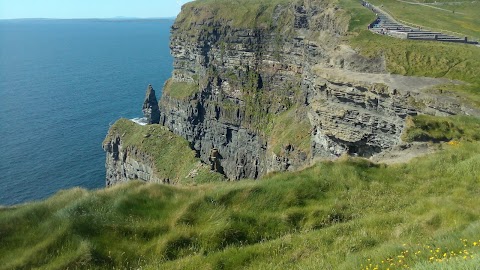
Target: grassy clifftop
pixel 172 156
pixel 417 58
pixel 238 13
pixel 339 215
pixel 457 16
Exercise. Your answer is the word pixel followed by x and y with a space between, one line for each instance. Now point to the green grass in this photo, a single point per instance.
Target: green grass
pixel 236 13
pixel 462 17
pixel 417 58
pixel 180 90
pixel 290 128
pixel 430 128
pixel 422 58
pixel 334 215
pixel 360 17
pixel 172 156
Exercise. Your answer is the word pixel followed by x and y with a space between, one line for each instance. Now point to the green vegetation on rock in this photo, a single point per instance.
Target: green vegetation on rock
pixel 430 128
pixel 290 128
pixel 172 156
pixel 236 13
pixel 179 90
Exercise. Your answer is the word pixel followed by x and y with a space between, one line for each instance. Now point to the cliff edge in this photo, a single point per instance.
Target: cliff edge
pixel 151 153
pixel 278 91
pixel 265 86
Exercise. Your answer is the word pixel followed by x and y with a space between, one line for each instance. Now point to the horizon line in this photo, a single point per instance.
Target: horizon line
pixel 120 18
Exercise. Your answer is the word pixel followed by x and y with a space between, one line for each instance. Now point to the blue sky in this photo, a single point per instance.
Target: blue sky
pixel 66 9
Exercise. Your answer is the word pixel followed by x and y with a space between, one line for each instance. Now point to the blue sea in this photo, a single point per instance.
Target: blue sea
pixel 62 83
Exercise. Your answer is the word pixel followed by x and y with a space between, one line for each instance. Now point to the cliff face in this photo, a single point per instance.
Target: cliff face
pixel 244 77
pixel 151 153
pixel 127 163
pixel 263 86
pixel 258 94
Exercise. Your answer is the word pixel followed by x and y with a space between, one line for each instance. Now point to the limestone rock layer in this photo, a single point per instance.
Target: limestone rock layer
pixel 249 80
pixel 278 91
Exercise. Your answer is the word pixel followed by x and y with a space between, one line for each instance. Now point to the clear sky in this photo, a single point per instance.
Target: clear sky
pixel 69 9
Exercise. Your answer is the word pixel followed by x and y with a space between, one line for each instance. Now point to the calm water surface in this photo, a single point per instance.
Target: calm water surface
pixel 62 82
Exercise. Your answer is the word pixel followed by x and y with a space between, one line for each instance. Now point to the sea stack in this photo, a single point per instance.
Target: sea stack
pixel 150 107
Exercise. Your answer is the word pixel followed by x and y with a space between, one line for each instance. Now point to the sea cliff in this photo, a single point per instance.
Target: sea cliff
pixel 283 88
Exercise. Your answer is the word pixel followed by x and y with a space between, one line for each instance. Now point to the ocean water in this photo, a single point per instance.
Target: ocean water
pixel 62 83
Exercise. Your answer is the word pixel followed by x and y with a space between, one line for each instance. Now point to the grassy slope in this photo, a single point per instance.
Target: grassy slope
pixel 171 154
pixel 430 128
pixel 330 216
pixel 179 90
pixel 461 17
pixel 418 58
pixel 238 13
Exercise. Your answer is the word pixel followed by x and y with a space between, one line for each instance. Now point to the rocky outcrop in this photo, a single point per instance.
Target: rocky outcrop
pixel 150 109
pixel 127 163
pixel 151 153
pixel 363 114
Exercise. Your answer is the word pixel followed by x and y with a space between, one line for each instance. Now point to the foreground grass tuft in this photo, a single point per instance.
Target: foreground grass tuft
pixel 332 215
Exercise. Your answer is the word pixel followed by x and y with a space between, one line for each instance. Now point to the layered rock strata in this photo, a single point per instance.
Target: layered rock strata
pixel 280 90
pixel 125 164
pixel 246 78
